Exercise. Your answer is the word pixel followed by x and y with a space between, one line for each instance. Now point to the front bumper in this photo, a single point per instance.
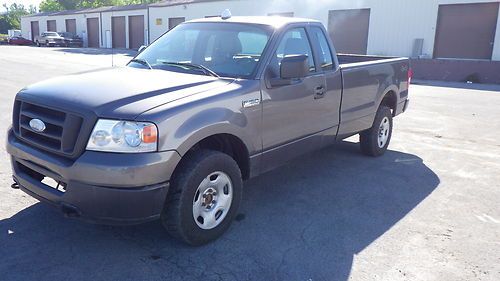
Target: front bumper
pixel 108 188
pixel 56 43
pixel 73 43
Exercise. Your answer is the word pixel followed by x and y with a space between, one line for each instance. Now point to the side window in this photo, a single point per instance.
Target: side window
pixel 295 42
pixel 325 55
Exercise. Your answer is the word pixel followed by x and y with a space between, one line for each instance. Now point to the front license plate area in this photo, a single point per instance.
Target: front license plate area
pixel 52 183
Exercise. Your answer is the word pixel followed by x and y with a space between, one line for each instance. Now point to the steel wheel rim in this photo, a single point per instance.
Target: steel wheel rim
pixel 383 132
pixel 212 200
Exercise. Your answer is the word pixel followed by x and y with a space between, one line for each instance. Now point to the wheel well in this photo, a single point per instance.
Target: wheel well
pixel 232 146
pixel 390 100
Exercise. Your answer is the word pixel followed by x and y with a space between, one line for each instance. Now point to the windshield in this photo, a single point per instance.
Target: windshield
pixel 51 34
pixel 228 49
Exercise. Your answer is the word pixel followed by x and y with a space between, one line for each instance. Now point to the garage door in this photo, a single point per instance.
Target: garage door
pixel 173 22
pixel 466 31
pixel 51 25
pixel 71 26
pixel 35 30
pixel 135 31
pixel 118 32
pixel 349 30
pixel 93 32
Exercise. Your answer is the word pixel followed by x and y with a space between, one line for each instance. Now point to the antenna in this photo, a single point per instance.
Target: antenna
pixel 226 14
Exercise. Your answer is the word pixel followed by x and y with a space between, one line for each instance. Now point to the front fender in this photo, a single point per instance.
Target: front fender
pixel 185 122
pixel 184 131
pixel 189 140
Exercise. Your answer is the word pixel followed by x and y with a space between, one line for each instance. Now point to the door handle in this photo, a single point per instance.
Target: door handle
pixel 319 92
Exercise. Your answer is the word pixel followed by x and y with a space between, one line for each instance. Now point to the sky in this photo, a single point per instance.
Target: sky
pixel 26 3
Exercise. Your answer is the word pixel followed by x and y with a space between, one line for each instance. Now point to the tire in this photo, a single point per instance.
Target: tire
pixel 38 44
pixel 374 141
pixel 191 187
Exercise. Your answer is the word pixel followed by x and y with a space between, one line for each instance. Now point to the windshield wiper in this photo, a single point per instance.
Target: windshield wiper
pixel 203 68
pixel 142 61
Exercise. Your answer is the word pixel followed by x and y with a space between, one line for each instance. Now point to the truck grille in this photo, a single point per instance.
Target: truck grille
pixel 61 128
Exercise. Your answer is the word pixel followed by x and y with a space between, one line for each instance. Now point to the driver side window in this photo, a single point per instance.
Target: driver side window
pixel 294 42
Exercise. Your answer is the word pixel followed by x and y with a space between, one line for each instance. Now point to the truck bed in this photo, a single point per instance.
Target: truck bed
pixel 365 80
pixel 351 58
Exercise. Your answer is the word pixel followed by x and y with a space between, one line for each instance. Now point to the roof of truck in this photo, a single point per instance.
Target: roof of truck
pixel 274 21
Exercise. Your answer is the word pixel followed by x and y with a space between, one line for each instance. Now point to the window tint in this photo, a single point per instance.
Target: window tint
pixel 229 49
pixel 178 47
pixel 325 55
pixel 295 42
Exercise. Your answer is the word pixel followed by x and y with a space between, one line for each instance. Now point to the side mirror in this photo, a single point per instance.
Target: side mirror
pixel 294 66
pixel 141 48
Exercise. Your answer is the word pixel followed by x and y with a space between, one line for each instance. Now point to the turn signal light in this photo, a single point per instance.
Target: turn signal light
pixel 150 134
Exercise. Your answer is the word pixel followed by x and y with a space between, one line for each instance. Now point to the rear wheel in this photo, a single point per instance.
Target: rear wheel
pixel 204 197
pixel 374 141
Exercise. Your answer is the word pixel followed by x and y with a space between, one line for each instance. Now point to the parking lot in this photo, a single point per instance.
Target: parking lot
pixel 427 210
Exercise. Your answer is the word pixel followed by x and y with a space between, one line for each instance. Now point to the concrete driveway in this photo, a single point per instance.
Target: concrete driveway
pixel 426 210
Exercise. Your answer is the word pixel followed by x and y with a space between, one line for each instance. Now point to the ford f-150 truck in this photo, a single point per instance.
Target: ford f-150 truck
pixel 211 103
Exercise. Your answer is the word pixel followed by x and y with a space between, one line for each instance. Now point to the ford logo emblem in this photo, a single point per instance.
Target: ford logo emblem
pixel 37 125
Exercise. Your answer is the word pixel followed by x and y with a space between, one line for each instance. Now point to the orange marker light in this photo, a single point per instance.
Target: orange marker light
pixel 149 134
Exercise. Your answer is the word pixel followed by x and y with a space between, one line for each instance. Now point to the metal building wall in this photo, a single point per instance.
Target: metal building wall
pixel 394 24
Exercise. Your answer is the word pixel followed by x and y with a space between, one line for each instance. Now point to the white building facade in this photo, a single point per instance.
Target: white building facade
pixel 457 29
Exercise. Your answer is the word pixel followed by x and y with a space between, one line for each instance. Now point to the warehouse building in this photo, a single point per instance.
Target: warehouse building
pixel 460 31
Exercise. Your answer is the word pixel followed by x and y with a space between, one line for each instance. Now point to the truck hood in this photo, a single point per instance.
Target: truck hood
pixel 121 93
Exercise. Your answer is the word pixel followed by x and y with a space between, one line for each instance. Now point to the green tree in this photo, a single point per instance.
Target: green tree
pixel 60 5
pixel 50 6
pixel 11 19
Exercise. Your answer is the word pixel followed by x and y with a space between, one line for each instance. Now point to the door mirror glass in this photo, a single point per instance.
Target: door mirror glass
pixel 294 66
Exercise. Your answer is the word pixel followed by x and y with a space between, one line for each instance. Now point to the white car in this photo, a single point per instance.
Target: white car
pixel 49 39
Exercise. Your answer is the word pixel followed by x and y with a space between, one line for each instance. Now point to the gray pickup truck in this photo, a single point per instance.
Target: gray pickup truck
pixel 211 103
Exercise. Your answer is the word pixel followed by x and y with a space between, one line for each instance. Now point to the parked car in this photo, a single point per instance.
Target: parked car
pixel 211 103
pixel 49 39
pixel 14 33
pixel 71 40
pixel 18 40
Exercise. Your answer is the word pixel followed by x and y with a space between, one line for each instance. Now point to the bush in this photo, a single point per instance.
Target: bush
pixel 4 39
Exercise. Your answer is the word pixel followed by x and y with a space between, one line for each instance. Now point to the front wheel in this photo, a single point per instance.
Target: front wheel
pixel 374 141
pixel 204 197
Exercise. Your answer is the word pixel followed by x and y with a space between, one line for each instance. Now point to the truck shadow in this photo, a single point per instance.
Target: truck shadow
pixel 303 221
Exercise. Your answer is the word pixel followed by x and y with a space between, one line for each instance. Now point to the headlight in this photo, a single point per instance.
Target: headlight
pixel 123 136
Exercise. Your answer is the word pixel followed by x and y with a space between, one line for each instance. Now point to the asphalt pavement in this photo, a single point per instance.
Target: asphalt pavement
pixel 426 210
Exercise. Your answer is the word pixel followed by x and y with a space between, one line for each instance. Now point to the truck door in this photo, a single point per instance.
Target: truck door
pixel 295 117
